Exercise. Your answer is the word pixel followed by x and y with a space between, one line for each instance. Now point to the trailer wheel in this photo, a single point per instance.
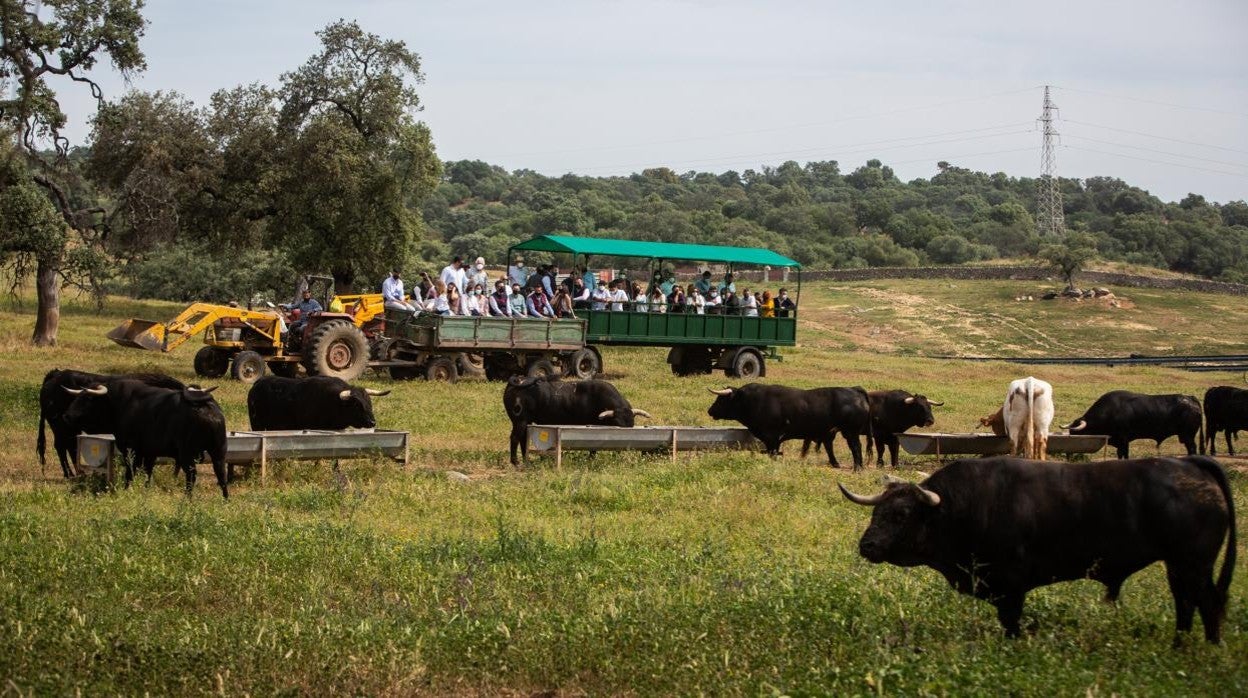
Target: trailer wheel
pixel 212 362
pixel 248 367
pixel 442 369
pixel 746 363
pixel 583 363
pixel 470 364
pixel 541 368
pixel 337 349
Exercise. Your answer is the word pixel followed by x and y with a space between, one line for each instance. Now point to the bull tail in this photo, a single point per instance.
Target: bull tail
pixel 1200 427
pixel 41 443
pixel 1029 438
pixel 1215 470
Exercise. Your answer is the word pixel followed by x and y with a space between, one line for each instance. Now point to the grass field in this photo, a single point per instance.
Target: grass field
pixel 619 574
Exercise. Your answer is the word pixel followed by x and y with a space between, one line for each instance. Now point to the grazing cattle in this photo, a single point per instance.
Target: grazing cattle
pixel 156 423
pixel 892 412
pixel 776 413
pixel 318 402
pixel 995 422
pixel 1124 416
pixel 1027 414
pixel 1226 409
pixel 54 400
pixel 551 401
pixel 996 528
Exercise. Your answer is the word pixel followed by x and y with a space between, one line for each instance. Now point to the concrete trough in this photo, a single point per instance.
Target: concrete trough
pixel 941 445
pixel 545 438
pixel 95 451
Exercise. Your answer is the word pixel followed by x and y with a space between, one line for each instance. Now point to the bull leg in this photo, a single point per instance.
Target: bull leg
pixel 1124 448
pixel 1184 593
pixel 1010 612
pixel 880 444
pixel 827 446
pixel 1230 448
pixel 188 466
pixel 1190 444
pixel 1042 447
pixel 805 447
pixel 62 453
pixel 893 445
pixel 519 432
pixel 855 449
pixel 220 469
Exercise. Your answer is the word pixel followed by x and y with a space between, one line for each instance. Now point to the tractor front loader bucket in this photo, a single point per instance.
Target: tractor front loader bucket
pixel 139 334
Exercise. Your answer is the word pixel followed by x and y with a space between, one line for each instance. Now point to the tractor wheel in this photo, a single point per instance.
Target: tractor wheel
pixel 212 362
pixel 285 369
pixel 746 363
pixel 442 369
pixel 541 368
pixel 248 367
pixel 583 363
pixel 337 349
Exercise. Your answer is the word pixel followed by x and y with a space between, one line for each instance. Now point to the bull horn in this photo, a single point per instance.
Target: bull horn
pixel 642 413
pixel 376 393
pixel 205 391
pixel 1076 425
pixel 935 404
pixel 101 390
pixel 910 400
pixel 606 413
pixel 344 395
pixel 721 393
pixel 860 499
pixel 929 496
pixel 72 391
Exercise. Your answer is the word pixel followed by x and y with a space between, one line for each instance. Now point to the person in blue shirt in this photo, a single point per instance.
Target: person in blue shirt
pixel 306 306
pixel 727 287
pixel 704 284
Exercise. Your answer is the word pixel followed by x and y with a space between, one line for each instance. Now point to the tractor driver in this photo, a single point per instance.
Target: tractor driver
pixel 300 312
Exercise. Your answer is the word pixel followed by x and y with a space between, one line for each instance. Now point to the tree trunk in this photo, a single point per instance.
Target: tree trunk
pixel 48 313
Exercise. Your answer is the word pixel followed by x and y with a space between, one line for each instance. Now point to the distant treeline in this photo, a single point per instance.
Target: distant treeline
pixel 828 219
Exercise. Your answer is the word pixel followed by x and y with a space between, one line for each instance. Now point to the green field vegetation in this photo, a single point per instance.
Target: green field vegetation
pixel 717 574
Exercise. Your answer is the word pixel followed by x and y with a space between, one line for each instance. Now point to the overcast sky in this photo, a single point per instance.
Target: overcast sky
pixel 1154 92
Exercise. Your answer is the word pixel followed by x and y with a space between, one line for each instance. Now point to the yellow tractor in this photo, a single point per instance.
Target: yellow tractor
pixel 249 343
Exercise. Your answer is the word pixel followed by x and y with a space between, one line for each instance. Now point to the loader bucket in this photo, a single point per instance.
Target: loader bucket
pixel 139 334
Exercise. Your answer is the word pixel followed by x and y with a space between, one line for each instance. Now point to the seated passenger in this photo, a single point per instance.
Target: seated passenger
pixel 696 300
pixel 766 306
pixel 658 302
pixel 538 306
pixel 392 293
pixel 676 300
pixel 749 304
pixel 714 304
pixel 704 284
pixel 784 304
pixel 600 296
pixel 498 305
pixel 619 297
pixel 442 302
pixel 562 305
pixel 639 299
pixel 516 302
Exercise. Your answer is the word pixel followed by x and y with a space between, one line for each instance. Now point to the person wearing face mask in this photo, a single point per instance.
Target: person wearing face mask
pixel 749 304
pixel 517 302
pixel 713 304
pixel 392 293
pixel 601 296
pixel 497 301
pixel 517 274
pixel 477 275
pixel 473 301
pixel 784 304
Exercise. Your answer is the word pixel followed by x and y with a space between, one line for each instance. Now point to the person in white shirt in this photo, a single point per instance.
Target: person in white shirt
pixel 454 273
pixel 639 299
pixel 477 274
pixel 600 296
pixel 517 274
pixel 658 302
pixel 749 304
pixel 713 303
pixel 392 293
pixel 693 297
pixel 618 298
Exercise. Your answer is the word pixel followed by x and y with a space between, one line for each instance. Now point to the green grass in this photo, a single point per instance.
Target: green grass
pixel 622 573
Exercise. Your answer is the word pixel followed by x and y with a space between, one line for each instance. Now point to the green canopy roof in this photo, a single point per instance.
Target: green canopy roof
pixel 655 250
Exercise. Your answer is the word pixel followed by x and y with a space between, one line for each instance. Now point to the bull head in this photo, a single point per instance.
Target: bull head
pixel 929 497
pixel 1077 425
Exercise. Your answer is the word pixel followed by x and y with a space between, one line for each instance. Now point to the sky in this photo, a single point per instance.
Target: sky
pixel 1152 92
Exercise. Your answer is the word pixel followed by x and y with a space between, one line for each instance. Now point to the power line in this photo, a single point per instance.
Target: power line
pixel 1157 162
pixel 776 128
pixel 1159 152
pixel 1155 102
pixel 1160 138
pixel 1030 149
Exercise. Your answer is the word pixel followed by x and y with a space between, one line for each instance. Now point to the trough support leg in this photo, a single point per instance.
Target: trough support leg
pixel 406 445
pixel 264 459
pixel 558 448
pixel 939 458
pixel 673 445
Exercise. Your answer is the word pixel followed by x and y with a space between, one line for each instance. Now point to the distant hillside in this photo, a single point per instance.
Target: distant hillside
pixel 829 219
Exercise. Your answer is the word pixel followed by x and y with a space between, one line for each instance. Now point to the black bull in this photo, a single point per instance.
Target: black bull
pixel 1226 409
pixel 54 400
pixel 541 401
pixel 1125 416
pixel 996 528
pixel 776 413
pixel 318 402
pixel 157 422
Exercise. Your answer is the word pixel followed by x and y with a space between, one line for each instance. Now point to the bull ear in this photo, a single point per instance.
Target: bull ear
pixel 910 400
pixel 376 393
pixel 344 395
pixel 860 499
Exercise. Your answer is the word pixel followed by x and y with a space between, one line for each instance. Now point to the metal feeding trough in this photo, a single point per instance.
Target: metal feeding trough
pixel 940 445
pixel 548 437
pixel 95 451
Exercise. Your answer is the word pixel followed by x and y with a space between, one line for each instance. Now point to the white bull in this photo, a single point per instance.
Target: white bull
pixel 1028 412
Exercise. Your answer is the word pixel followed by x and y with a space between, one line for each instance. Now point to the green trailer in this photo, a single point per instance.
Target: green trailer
pixel 441 347
pixel 739 345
